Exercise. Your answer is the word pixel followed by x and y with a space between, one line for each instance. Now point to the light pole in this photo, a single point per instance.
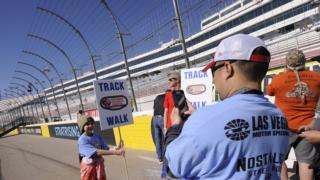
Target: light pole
pixel 44 74
pixel 105 4
pixel 183 42
pixel 56 71
pixel 67 58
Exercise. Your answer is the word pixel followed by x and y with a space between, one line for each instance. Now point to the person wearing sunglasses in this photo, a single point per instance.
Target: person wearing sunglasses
pixel 244 136
pixel 174 84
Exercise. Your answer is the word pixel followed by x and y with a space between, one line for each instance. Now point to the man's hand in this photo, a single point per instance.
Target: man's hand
pixel 311 136
pixel 305 128
pixel 175 116
pixel 191 109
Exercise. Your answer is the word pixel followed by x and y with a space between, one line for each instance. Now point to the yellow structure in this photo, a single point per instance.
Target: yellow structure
pixel 13 132
pixel 45 131
pixel 137 135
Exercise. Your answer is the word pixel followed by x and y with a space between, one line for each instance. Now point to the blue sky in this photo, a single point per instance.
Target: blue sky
pixel 147 23
pixel 15 18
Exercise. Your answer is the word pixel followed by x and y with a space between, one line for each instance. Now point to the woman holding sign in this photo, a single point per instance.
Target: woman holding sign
pixel 91 149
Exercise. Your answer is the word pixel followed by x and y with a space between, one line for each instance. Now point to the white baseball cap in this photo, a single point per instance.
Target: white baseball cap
pixel 238 47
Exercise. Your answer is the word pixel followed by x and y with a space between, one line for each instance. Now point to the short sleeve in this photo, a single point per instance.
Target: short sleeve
pixel 86 149
pixel 103 144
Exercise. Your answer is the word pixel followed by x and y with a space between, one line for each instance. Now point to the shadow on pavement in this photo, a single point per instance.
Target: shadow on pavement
pixel 6 136
pixel 42 156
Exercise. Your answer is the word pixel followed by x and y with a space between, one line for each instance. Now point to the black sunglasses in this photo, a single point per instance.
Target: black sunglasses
pixel 171 79
pixel 213 69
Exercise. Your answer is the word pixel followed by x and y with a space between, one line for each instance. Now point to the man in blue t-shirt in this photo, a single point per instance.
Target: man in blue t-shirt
pixel 242 137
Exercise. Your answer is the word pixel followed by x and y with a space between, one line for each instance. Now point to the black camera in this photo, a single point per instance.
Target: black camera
pixel 180 102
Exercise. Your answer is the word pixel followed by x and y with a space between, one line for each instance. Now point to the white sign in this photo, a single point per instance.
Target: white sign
pixel 197 86
pixel 113 103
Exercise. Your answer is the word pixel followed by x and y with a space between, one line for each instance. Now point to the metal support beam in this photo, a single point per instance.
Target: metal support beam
pixel 67 58
pixel 58 74
pixel 124 53
pixel 44 74
pixel 181 34
pixel 77 32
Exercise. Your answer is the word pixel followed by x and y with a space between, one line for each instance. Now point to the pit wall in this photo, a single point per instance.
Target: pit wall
pixel 135 136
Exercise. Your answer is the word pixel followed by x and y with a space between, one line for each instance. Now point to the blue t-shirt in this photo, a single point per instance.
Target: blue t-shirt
pixel 243 137
pixel 88 145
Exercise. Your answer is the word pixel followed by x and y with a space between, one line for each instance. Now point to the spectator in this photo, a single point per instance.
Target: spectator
pixel 174 84
pixel 158 125
pixel 91 149
pixel 80 113
pixel 242 137
pixel 313 137
pixel 296 93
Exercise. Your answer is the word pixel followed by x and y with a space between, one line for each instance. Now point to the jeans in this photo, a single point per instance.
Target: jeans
pixel 158 135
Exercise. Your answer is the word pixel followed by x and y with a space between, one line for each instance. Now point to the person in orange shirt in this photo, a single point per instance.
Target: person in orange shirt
pixel 174 83
pixel 296 93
